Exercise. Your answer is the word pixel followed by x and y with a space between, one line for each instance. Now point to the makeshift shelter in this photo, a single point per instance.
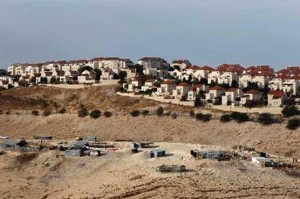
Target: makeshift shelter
pixel 157 153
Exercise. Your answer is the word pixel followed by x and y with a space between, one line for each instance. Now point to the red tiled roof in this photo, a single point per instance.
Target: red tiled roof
pixel 193 67
pixel 207 68
pixel 231 89
pixel 197 85
pixel 150 80
pixel 183 84
pixel 276 94
pixel 252 92
pixel 169 82
pixel 217 88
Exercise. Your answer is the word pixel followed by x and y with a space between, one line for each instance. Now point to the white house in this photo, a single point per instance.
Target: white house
pixel 149 84
pixel 182 63
pixel 291 85
pixel 153 62
pixel 231 95
pixel 167 87
pixel 251 95
pixel 276 98
pixel 87 76
pixel 134 84
pixel 194 91
pixel 182 89
pixel 215 92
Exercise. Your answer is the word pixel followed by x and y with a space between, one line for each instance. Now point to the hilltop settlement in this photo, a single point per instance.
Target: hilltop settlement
pixel 226 84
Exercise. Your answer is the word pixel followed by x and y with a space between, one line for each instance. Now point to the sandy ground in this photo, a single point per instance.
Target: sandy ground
pixel 274 139
pixel 121 174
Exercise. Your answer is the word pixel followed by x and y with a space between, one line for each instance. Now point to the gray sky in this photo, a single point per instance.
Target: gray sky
pixel 204 31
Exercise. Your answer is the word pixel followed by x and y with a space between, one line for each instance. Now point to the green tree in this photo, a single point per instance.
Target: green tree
pixel 265 118
pixel 293 124
pixel 289 111
pixel 225 118
pixel 160 111
pixel 44 80
pixel 80 70
pixel 95 114
pixel 234 84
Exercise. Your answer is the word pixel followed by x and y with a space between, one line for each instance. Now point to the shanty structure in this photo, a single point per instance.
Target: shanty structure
pixel 157 153
pixel 80 144
pixel 73 153
pixel 12 144
pixel 135 146
pixel 171 168
pixel 90 138
pixel 262 161
pixel 216 155
pixel 42 137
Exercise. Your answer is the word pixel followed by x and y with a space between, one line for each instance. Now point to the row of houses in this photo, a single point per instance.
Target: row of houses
pixel 286 80
pixel 211 94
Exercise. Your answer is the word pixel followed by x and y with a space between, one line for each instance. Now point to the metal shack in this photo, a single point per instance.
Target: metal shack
pixel 80 144
pixel 90 138
pixel 11 144
pixel 42 137
pixel 171 168
pixel 157 153
pixel 73 153
pixel 262 161
pixel 213 154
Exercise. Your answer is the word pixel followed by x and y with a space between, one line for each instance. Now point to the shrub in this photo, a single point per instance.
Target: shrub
pixel 7 112
pixel 234 115
pixel 242 117
pixel 83 112
pixel 1 111
pixel 293 123
pixel 192 114
pixel 199 116
pixel 95 114
pixel 239 117
pixel 135 113
pixel 145 112
pixel 265 118
pixel 160 111
pixel 35 112
pixel 225 118
pixel 62 111
pixel 289 111
pixel 206 117
pixel 46 113
pixel 174 115
pixel 107 114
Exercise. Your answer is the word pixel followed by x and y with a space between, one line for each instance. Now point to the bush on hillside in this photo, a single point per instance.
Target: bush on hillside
pixel 62 111
pixel 46 113
pixel 107 114
pixel 239 117
pixel 192 114
pixel 206 117
pixel 160 111
pixel 225 118
pixel 145 112
pixel 293 124
pixel 7 112
pixel 135 113
pixel 95 114
pixel 290 111
pixel 83 112
pixel 35 112
pixel 174 115
pixel 199 116
pixel 265 118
